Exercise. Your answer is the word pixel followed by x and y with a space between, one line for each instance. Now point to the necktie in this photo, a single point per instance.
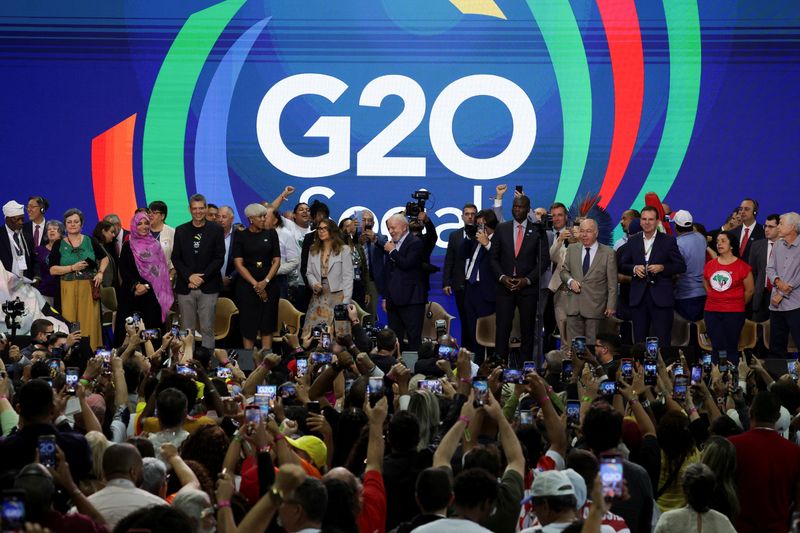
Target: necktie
pixel 36 235
pixel 586 259
pixel 769 256
pixel 553 267
pixel 16 241
pixel 745 238
pixel 518 244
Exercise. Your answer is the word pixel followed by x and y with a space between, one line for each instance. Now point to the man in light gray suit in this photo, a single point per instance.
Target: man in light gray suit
pixel 759 254
pixel 590 273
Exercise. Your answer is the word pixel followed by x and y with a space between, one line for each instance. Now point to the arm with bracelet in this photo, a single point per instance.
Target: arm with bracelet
pixel 556 431
pixel 447 447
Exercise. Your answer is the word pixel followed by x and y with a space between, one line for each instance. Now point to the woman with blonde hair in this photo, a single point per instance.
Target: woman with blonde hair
pixel 329 273
pixel 98 444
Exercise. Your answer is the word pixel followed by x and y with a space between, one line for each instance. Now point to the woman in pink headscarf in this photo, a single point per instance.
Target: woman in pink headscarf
pixel 146 288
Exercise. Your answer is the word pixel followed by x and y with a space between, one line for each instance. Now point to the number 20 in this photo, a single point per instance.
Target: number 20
pixel 372 160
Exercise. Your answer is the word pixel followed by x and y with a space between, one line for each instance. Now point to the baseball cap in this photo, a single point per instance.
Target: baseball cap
pixel 313 446
pixel 551 483
pixel 683 218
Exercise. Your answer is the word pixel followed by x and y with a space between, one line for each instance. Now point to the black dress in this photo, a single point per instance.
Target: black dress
pixel 128 303
pixel 257 249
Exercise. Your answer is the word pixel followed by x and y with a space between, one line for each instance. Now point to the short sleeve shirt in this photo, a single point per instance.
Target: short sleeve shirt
pixel 727 285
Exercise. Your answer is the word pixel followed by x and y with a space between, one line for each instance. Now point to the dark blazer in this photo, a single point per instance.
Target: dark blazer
pixel 533 258
pixel 756 235
pixel 211 256
pixel 665 252
pixel 758 262
pixel 453 273
pixel 308 240
pixel 27 229
pixel 487 284
pixel 376 255
pixel 403 274
pixel 7 254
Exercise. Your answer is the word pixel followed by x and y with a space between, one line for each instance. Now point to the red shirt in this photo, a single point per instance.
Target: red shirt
pixel 767 472
pixel 373 510
pixel 727 285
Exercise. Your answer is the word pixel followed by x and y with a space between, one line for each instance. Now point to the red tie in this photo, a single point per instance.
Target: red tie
pixel 745 238
pixel 36 235
pixel 518 244
pixel 769 255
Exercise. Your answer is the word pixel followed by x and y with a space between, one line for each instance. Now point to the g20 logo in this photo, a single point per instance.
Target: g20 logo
pixel 372 159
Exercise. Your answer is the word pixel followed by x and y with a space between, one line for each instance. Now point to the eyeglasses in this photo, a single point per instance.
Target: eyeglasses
pixel 323 228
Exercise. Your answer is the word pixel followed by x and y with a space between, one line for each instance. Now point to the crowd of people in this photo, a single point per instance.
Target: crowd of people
pixel 597 425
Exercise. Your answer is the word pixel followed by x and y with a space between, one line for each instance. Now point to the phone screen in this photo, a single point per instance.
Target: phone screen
pixel 678 371
pixel 566 371
pixel 512 375
pixel 481 387
pixel 529 366
pixel 697 375
pixel 679 387
pixel 375 389
pixel 626 365
pixel 302 366
pixel 253 414
pixel 47 450
pixel 526 418
pixel 611 476
pixel 224 372
pixel 432 385
pixel 608 388
pixel 579 346
pixel 325 341
pixel 652 347
pixel 321 358
pixel 13 511
pixel 650 373
pixel 574 412
pixel 446 352
pixel 72 379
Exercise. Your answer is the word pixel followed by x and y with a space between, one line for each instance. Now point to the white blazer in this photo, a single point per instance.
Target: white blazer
pixel 340 272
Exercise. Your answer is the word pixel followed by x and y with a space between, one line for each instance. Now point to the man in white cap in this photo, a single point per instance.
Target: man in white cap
pixel 690 295
pixel 554 501
pixel 16 249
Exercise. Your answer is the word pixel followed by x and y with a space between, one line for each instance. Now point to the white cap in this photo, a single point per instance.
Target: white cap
pixel 551 483
pixel 13 209
pixel 683 218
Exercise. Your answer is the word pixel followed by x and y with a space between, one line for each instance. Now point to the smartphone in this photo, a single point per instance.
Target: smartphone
pixel 321 358
pixel 74 326
pixel 150 334
pixel 707 363
pixel 432 385
pixel 529 366
pixel 651 346
pixel 287 390
pixel 54 363
pixel 650 373
pixel 325 341
pixel 230 407
pixel 518 188
pixel 626 366
pixel 47 450
pixel 316 332
pixel 441 328
pixel 263 403
pixel 175 331
pixel 302 366
pixel 72 379
pixel 611 476
pixel 340 312
pixel 186 370
pixel 723 361
pixel 791 366
pixel 697 375
pixel 481 387
pixel 574 412
pixel 526 418
pixel 314 407
pixel 608 387
pixel 375 390
pixel 679 388
pixel 446 352
pixel 105 354
pixel 223 372
pixel 678 370
pixel 513 375
pixel 252 413
pixel 579 347
pixel 271 392
pixel 13 510
pixel 566 371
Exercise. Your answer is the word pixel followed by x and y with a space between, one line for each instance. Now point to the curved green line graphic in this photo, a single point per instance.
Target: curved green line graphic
pixel 165 126
pixel 564 43
pixel 685 67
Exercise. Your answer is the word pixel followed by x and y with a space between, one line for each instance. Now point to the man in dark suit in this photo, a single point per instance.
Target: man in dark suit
pixel 651 258
pixel 198 255
pixel 750 231
pixel 453 273
pixel 480 285
pixel 519 257
pixel 404 282
pixel 373 251
pixel 35 227
pixel 759 255
pixel 122 234
pixel 16 248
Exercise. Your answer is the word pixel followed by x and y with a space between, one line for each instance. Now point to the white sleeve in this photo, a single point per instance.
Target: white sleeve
pixel 561 464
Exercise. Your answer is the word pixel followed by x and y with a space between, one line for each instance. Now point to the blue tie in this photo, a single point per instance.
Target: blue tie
pixel 586 262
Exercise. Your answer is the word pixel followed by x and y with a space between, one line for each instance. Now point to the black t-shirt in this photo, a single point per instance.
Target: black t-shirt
pixel 257 249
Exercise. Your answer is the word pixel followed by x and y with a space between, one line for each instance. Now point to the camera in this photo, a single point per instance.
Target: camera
pixel 413 208
pixel 547 221
pixel 340 312
pixel 14 310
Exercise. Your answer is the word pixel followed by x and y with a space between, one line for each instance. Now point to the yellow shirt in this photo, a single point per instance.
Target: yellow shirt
pixel 673 497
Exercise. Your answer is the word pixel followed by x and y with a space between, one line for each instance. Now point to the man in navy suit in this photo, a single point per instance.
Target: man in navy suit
pixel 453 272
pixel 519 257
pixel 750 231
pixel 479 285
pixel 404 282
pixel 651 258
pixel 373 251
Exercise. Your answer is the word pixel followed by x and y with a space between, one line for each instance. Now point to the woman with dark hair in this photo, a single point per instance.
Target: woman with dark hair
pixel 719 455
pixel 105 233
pixel 81 263
pixel 48 285
pixel 678 451
pixel 146 288
pixel 257 257
pixel 330 275
pixel 729 286
pixel 207 446
pixel 698 487
pixel 348 228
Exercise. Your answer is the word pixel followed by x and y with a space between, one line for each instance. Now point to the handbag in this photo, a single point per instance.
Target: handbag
pixel 95 292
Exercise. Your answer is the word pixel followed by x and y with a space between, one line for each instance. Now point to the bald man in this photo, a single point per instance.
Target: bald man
pixel 404 279
pixel 590 273
pixel 122 468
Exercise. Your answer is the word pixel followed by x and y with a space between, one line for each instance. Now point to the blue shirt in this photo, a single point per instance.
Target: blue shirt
pixel 693 249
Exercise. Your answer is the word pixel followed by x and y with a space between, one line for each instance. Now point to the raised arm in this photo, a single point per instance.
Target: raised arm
pixel 447 447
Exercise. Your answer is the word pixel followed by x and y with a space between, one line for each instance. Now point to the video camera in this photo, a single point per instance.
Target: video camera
pixel 14 311
pixel 413 209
